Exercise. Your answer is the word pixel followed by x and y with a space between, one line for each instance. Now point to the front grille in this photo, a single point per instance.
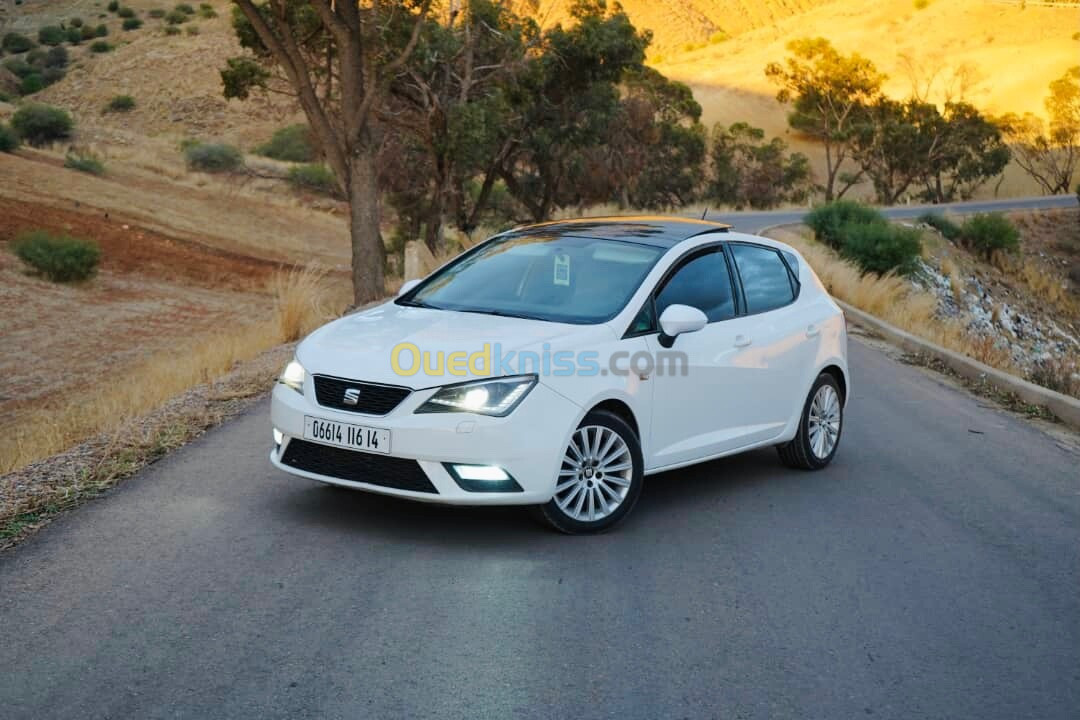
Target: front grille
pixel 391 472
pixel 373 399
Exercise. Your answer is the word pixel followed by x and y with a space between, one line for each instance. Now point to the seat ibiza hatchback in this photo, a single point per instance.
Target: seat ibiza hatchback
pixel 559 364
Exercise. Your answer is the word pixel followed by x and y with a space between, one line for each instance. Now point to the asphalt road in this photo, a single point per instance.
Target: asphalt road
pixel 756 221
pixel 932 571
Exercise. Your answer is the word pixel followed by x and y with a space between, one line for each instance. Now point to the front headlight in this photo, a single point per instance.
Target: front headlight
pixel 293 375
pixel 497 397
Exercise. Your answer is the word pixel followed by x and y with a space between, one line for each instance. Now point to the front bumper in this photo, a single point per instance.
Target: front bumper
pixel 528 443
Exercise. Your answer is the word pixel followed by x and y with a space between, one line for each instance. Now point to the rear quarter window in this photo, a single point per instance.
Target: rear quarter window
pixel 767 283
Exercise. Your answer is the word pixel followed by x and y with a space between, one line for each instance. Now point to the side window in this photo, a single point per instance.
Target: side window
pixel 644 320
pixel 765 279
pixel 704 283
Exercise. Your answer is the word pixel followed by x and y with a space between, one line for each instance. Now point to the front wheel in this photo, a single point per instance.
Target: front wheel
pixel 600 476
pixel 814 445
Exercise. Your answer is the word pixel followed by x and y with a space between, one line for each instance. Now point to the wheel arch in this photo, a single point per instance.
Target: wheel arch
pixel 840 376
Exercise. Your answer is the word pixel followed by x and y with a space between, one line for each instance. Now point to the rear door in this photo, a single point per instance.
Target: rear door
pixel 782 341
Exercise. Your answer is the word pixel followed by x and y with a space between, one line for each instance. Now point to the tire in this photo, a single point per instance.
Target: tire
pixel 601 491
pixel 810 449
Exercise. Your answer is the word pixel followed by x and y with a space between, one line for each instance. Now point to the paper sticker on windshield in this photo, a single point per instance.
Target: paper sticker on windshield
pixel 562 270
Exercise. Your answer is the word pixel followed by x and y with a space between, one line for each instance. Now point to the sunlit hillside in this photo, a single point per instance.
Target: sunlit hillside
pixel 1006 54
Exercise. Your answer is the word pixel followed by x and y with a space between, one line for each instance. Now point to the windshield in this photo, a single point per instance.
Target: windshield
pixel 544 277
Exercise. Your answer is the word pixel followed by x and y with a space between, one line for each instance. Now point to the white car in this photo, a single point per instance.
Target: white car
pixel 557 365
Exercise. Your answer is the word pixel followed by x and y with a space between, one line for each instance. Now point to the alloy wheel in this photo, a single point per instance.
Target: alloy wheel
pixel 824 421
pixel 596 474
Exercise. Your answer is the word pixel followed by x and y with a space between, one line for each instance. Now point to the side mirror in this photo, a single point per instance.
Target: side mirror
pixel 407 286
pixel 679 319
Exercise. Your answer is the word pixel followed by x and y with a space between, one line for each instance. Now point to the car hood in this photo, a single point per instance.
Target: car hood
pixel 362 346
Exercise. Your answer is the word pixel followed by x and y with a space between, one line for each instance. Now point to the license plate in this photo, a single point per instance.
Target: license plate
pixel 353 437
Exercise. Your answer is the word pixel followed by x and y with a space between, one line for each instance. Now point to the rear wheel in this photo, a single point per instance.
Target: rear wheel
pixel 815 443
pixel 600 476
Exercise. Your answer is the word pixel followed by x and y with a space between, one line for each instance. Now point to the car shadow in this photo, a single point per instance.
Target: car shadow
pixel 684 491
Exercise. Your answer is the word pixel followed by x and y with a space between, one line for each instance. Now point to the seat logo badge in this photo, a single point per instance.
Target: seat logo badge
pixel 352 396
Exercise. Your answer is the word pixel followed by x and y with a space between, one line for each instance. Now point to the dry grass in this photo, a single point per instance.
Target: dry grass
pixel 303 301
pixel 956 280
pixel 896 301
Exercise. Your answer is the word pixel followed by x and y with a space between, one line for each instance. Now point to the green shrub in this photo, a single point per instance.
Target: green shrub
pixel 986 232
pixel 88 33
pixel 157 13
pixel 73 36
pixel 125 12
pixel 192 30
pixel 57 57
pixel 36 57
pixel 314 178
pixel 131 24
pixel 113 6
pixel 40 124
pixel 881 247
pixel 100 46
pixel 31 84
pixel 51 35
pixel 948 229
pixel 120 103
pixel 52 75
pixel 86 162
pixel 60 258
pixel 172 30
pixel 828 220
pixel 207 11
pixel 293 143
pixel 16 43
pixel 185 8
pixel 101 30
pixel 175 17
pixel 75 22
pixel 9 140
pixel 213 157
pixel 18 67
pixel 4 97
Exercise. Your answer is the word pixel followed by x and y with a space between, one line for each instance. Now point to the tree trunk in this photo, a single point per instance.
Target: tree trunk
pixel 368 254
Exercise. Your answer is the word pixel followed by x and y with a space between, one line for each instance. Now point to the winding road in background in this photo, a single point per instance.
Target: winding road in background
pixel 933 570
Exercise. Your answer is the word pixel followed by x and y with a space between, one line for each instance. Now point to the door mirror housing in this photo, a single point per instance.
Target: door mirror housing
pixel 679 319
pixel 407 286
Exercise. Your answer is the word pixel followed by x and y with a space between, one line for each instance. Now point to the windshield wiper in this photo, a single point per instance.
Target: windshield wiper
pixel 503 313
pixel 417 303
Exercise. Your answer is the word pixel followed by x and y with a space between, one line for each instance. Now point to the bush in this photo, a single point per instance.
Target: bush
pixel 131 24
pixel 881 247
pixel 40 124
pixel 9 141
pixel 100 46
pixel 185 8
pixel 192 30
pixel 75 22
pixel 172 30
pixel 314 178
pixel 16 43
pixel 86 162
pixel 51 35
pixel 60 258
pixel 175 17
pixel 207 11
pixel 986 232
pixel 113 6
pixel 101 30
pixel 31 84
pixel 88 33
pixel 157 13
pixel 213 157
pixel 18 67
pixel 828 220
pixel 57 57
pixel 52 75
pixel 125 12
pixel 948 229
pixel 120 103
pixel 291 144
pixel 73 35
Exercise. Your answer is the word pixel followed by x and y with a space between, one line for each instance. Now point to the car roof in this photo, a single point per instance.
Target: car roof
pixel 657 230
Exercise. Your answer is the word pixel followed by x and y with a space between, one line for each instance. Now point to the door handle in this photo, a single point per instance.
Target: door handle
pixel 813 331
pixel 742 340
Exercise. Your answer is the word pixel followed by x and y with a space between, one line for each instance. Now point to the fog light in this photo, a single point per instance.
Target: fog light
pixel 482 478
pixel 480 472
pixel 278 437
